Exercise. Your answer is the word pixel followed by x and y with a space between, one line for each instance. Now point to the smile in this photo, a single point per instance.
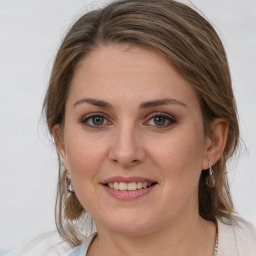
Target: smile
pixel 131 186
pixel 128 188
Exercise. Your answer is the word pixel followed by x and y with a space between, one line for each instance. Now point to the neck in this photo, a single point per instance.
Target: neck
pixel 181 237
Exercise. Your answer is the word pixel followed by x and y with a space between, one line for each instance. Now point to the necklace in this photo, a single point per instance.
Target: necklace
pixel 216 246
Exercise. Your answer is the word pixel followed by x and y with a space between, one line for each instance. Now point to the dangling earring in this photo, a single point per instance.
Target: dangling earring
pixel 69 184
pixel 210 181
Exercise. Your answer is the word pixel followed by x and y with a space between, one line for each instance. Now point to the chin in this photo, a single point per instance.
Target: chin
pixel 130 223
pixel 131 228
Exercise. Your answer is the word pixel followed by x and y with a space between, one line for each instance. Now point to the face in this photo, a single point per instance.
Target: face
pixel 133 140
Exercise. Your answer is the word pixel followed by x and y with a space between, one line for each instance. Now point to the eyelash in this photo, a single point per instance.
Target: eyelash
pixel 170 119
pixel 86 119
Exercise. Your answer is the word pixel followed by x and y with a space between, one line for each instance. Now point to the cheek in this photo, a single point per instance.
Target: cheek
pixel 179 163
pixel 84 155
pixel 85 158
pixel 180 157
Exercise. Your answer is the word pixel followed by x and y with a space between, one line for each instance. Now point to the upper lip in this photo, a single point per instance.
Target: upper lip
pixel 127 179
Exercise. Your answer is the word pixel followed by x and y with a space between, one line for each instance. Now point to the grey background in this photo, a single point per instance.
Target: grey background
pixel 30 32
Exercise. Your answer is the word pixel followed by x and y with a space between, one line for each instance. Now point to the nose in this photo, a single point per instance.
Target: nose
pixel 126 147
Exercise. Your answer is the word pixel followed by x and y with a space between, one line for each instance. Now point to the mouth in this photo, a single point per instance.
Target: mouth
pixel 129 186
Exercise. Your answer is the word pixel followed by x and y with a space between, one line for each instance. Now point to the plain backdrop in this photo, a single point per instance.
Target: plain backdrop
pixel 30 33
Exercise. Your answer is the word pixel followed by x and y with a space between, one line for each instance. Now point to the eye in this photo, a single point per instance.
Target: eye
pixel 161 120
pixel 95 120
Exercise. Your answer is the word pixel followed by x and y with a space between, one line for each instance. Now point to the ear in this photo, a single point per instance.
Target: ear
pixel 58 138
pixel 215 142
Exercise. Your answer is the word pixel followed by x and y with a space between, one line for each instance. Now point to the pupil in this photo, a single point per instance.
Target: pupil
pixel 159 120
pixel 98 120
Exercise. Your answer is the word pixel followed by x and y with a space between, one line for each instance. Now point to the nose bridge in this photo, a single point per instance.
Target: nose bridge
pixel 126 148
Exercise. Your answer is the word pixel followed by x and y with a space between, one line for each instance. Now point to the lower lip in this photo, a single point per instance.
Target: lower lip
pixel 128 194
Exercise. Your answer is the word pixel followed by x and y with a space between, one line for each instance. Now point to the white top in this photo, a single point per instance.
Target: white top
pixel 237 239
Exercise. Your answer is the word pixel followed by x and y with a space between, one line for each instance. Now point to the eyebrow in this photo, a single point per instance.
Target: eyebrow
pixel 155 103
pixel 148 104
pixel 95 102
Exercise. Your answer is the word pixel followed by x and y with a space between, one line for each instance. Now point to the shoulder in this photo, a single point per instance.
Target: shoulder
pixel 83 248
pixel 236 237
pixel 48 244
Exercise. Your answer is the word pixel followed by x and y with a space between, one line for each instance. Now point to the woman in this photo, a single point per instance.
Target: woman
pixel 141 108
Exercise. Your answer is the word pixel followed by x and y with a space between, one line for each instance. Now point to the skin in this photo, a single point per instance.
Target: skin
pixel 130 142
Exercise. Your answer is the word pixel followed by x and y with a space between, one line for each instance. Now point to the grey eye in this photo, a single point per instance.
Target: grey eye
pixel 97 120
pixel 160 120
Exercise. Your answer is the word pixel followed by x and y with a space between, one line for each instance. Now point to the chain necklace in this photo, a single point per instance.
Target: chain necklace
pixel 216 246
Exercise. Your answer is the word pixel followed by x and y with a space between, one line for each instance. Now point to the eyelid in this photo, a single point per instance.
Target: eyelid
pixel 161 114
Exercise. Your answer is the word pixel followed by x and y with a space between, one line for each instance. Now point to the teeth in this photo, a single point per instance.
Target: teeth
pixel 123 186
pixel 116 185
pixel 131 186
pixel 139 185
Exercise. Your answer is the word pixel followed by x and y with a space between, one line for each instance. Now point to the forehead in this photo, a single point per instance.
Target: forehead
pixel 123 59
pixel 121 72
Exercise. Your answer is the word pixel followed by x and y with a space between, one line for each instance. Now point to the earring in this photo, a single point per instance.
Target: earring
pixel 69 184
pixel 210 181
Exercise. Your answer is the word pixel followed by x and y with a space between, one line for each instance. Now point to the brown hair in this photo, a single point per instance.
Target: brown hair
pixel 191 45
